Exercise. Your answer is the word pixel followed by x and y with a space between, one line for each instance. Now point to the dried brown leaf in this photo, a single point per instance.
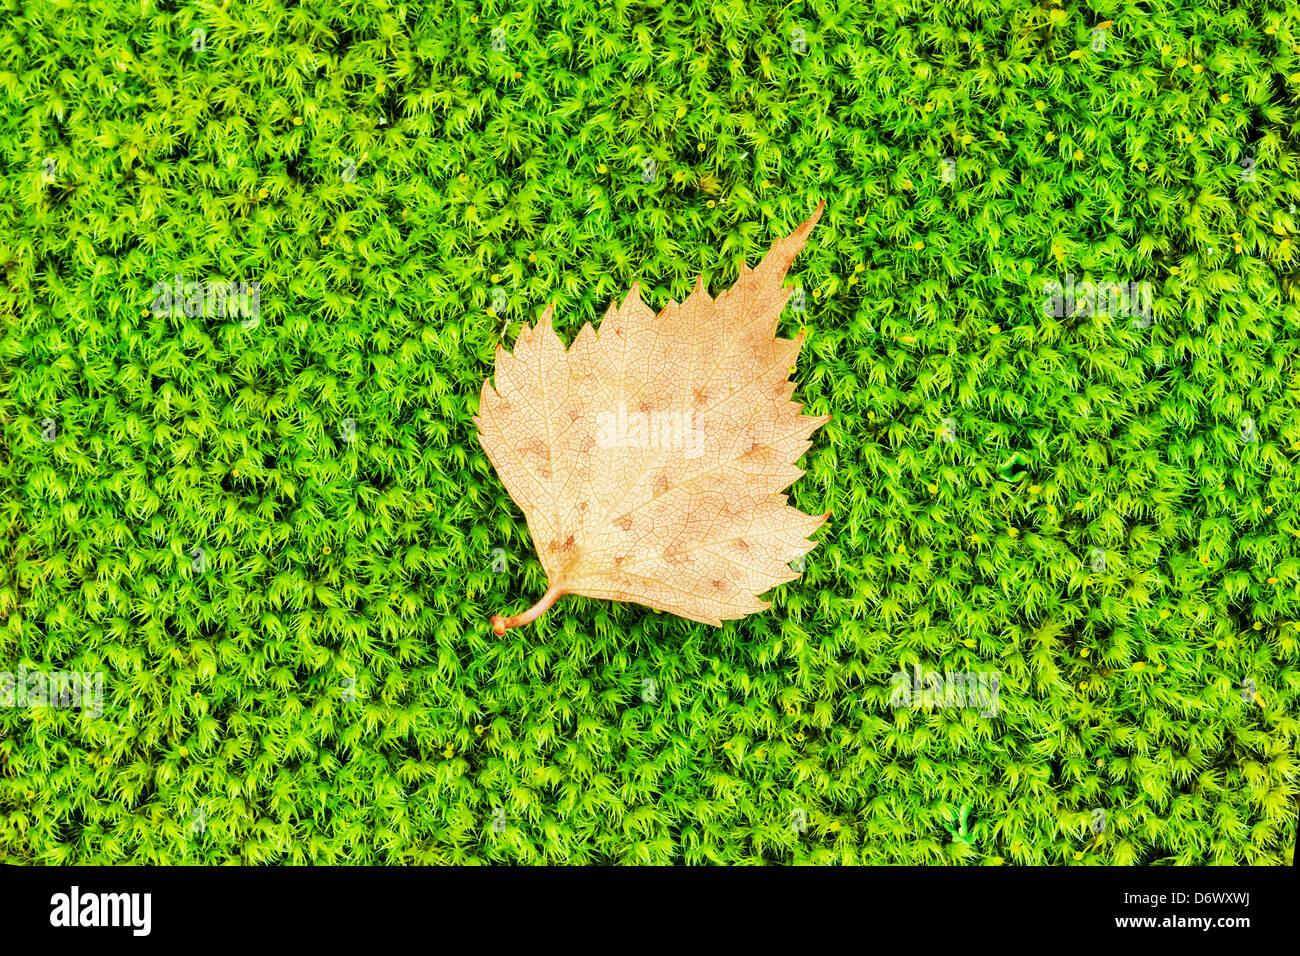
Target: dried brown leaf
pixel 651 458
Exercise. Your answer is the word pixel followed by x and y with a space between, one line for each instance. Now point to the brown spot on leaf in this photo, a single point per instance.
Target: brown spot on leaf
pixel 675 554
pixel 537 447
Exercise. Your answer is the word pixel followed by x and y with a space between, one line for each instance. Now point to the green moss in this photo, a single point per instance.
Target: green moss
pixel 275 538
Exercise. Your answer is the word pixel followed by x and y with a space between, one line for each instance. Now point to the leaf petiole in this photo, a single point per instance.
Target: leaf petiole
pixel 501 624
